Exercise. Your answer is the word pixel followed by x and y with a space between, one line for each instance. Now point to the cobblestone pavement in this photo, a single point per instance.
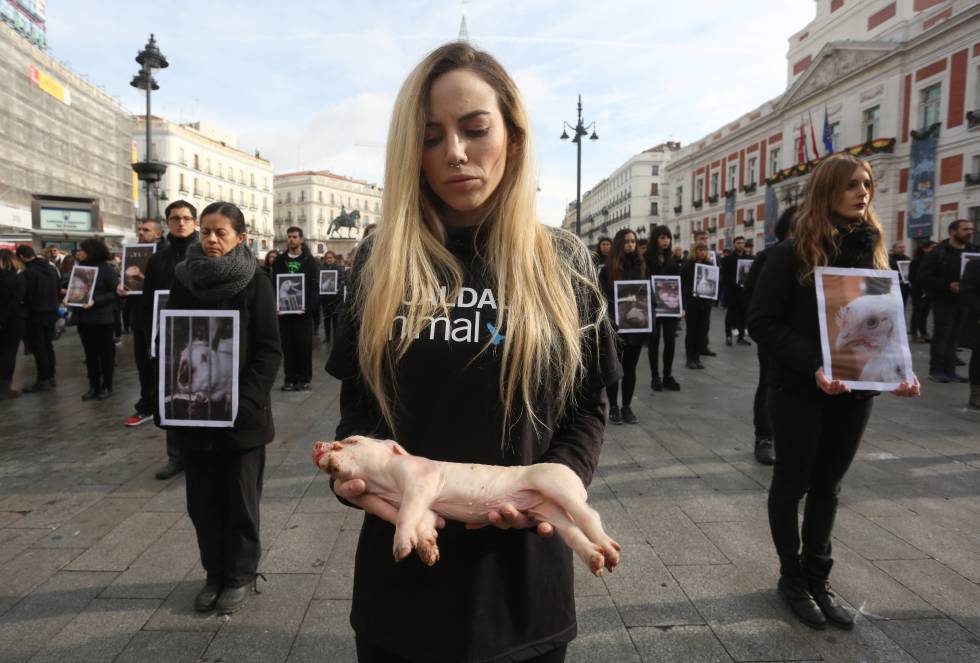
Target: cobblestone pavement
pixel 98 560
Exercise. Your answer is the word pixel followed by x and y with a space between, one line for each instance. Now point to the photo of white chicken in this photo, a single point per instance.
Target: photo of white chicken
pixel 869 325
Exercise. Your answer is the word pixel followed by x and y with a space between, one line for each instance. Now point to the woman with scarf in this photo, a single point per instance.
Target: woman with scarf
pixel 660 261
pixel 623 264
pixel 817 423
pixel 224 466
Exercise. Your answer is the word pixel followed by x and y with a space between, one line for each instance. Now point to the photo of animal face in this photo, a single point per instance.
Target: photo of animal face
pixel 328 282
pixel 705 281
pixel 290 293
pixel 667 293
pixel 863 328
pixel 199 368
pixel 633 314
pixel 81 285
pixel 134 261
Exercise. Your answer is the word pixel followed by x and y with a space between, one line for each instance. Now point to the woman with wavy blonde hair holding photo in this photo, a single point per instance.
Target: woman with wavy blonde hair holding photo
pixel 817 423
pixel 471 333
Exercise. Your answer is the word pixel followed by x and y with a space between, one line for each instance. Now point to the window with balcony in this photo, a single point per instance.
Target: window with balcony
pixel 870 122
pixel 930 99
pixel 197 162
pixel 197 187
pixel 180 156
pixel 715 177
pixel 302 195
pixel 181 185
pixel 774 164
pixel 732 176
pixel 251 180
pixel 751 171
pixel 208 165
pixel 289 197
pixel 699 188
pixel 835 135
pixel 655 170
pixel 654 209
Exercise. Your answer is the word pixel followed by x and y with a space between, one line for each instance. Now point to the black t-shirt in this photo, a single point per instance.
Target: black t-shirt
pixel 493 595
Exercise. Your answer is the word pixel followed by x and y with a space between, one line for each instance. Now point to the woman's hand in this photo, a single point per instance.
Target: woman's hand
pixel 355 492
pixel 909 389
pixel 508 517
pixel 89 305
pixel 830 387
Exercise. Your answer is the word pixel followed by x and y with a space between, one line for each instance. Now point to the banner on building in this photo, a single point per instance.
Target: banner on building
pixel 49 85
pixel 922 182
pixel 772 215
pixel 729 219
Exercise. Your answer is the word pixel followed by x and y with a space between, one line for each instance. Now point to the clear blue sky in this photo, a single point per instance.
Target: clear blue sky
pixel 311 84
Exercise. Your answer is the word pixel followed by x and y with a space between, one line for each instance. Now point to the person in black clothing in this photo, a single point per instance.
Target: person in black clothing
pixel 660 261
pixel 328 303
pixel 898 253
pixel 920 303
pixel 96 320
pixel 181 222
pixel 764 452
pixel 623 264
pixel 224 466
pixel 484 373
pixel 12 318
pixel 149 231
pixel 701 237
pixel 697 311
pixel 939 277
pixel 602 249
pixel 817 423
pixel 735 315
pixel 270 259
pixel 42 285
pixel 970 329
pixel 297 329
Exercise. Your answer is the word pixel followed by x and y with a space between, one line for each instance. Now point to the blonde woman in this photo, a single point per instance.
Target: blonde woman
pixel 471 333
pixel 817 424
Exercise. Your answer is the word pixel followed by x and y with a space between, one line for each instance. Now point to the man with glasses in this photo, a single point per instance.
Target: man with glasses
pixel 182 224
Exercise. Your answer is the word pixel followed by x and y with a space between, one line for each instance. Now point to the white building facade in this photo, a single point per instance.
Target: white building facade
pixel 203 166
pixel 883 73
pixel 311 200
pixel 630 197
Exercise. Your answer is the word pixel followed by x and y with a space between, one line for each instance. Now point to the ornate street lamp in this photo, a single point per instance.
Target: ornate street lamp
pixel 148 170
pixel 580 130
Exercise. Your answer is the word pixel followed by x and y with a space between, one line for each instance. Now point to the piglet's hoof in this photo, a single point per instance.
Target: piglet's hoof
pixel 428 552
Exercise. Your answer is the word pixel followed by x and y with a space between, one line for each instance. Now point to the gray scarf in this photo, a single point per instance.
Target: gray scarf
pixel 216 279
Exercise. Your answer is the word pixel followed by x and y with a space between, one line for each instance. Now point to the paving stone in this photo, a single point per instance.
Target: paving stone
pixel 263 631
pixel 865 537
pixel 87 527
pixel 33 622
pixel 616 520
pixel 934 640
pixel 745 506
pixel 941 587
pixel 674 538
pixel 304 545
pixel 602 636
pixel 120 547
pixel 31 568
pixel 99 633
pixel 155 573
pixel 8 518
pixel 645 593
pixel 691 644
pixel 177 611
pixel 15 541
pixel 337 580
pixel 873 592
pixel 958 550
pixel 319 498
pixel 173 497
pixel 164 647
pixel 325 634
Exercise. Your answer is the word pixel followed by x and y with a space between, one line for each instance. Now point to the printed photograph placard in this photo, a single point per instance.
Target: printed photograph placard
pixel 160 298
pixel 965 258
pixel 903 269
pixel 862 328
pixel 328 281
pixel 290 293
pixel 135 258
pixel 198 380
pixel 705 281
pixel 81 285
pixel 713 257
pixel 742 271
pixel 633 310
pixel 667 299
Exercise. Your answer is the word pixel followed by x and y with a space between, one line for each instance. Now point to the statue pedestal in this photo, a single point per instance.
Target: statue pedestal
pixel 341 245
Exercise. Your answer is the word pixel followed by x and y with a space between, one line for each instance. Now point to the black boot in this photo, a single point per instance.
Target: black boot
pixel 207 598
pixel 171 470
pixel 794 589
pixel 764 451
pixel 614 416
pixel 92 393
pixel 818 580
pixel 656 384
pixel 233 599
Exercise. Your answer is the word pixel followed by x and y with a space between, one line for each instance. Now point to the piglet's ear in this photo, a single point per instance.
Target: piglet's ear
pixel 398 450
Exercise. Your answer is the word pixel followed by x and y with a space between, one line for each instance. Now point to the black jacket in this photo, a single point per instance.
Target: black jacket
pixel 12 289
pixel 633 270
pixel 687 288
pixel 304 264
pixel 42 287
pixel 668 267
pixel 259 356
pixel 783 317
pixel 103 310
pixel 939 268
pixel 970 301
pixel 136 304
pixel 494 595
pixel 160 275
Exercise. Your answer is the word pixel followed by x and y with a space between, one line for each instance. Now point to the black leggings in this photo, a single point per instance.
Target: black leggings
pixel 9 343
pixel 100 354
pixel 368 653
pixel 667 328
pixel 815 439
pixel 629 357
pixel 920 315
pixel 695 340
pixel 975 366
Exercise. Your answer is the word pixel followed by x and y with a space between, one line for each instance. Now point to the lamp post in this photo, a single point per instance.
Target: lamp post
pixel 148 170
pixel 580 130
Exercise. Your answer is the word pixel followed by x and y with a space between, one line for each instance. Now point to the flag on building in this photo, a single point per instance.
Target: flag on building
pixel 801 145
pixel 813 137
pixel 828 137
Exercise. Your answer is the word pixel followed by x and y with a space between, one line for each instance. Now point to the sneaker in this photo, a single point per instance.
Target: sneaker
pixel 614 416
pixel 138 419
pixel 628 416
pixel 302 386
pixel 671 384
pixel 939 377
pixel 656 384
pixel 288 386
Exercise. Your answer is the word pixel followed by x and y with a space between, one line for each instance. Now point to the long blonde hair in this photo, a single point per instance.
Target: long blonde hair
pixel 814 234
pixel 408 262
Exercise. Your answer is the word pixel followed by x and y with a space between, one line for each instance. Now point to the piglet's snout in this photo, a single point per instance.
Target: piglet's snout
pixel 321 449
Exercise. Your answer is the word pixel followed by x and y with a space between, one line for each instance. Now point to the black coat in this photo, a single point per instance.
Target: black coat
pixel 687 288
pixel 259 357
pixel 305 264
pixel 103 311
pixel 633 270
pixel 160 274
pixel 970 301
pixel 939 269
pixel 12 289
pixel 783 316
pixel 42 287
